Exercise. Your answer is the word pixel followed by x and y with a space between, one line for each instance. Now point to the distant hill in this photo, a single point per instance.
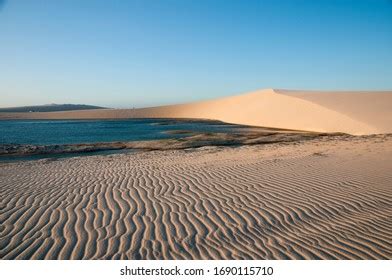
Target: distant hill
pixel 49 108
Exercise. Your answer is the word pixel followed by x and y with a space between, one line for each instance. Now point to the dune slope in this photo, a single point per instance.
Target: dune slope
pixel 348 112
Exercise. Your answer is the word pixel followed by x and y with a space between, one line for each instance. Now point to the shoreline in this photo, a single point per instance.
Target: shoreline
pixel 187 139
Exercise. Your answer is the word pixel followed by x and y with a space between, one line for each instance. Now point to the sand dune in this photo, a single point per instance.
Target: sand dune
pixel 319 199
pixel 348 112
pixel 373 108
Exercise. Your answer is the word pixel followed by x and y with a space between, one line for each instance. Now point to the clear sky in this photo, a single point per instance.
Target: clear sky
pixel 149 52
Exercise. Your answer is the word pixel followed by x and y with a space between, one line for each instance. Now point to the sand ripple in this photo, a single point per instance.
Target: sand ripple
pixel 314 200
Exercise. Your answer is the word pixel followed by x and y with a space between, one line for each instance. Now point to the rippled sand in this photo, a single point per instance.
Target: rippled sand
pixel 318 199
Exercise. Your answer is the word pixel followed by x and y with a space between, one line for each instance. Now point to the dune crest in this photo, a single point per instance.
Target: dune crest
pixel 357 113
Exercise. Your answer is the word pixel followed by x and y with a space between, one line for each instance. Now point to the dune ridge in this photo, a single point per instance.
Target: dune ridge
pixel 319 199
pixel 357 113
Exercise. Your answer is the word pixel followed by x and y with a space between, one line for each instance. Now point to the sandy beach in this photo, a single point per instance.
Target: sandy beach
pixel 325 198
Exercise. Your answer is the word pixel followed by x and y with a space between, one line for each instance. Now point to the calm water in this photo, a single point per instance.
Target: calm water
pixel 43 132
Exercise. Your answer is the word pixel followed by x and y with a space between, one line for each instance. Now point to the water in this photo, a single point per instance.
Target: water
pixel 57 132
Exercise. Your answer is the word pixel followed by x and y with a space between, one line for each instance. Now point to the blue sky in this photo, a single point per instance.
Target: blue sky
pixel 149 52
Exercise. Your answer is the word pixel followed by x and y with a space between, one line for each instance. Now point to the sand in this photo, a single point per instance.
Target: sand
pixel 317 199
pixel 357 113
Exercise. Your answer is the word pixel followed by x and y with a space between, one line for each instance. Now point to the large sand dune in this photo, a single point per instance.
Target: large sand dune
pixel 349 112
pixel 320 199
